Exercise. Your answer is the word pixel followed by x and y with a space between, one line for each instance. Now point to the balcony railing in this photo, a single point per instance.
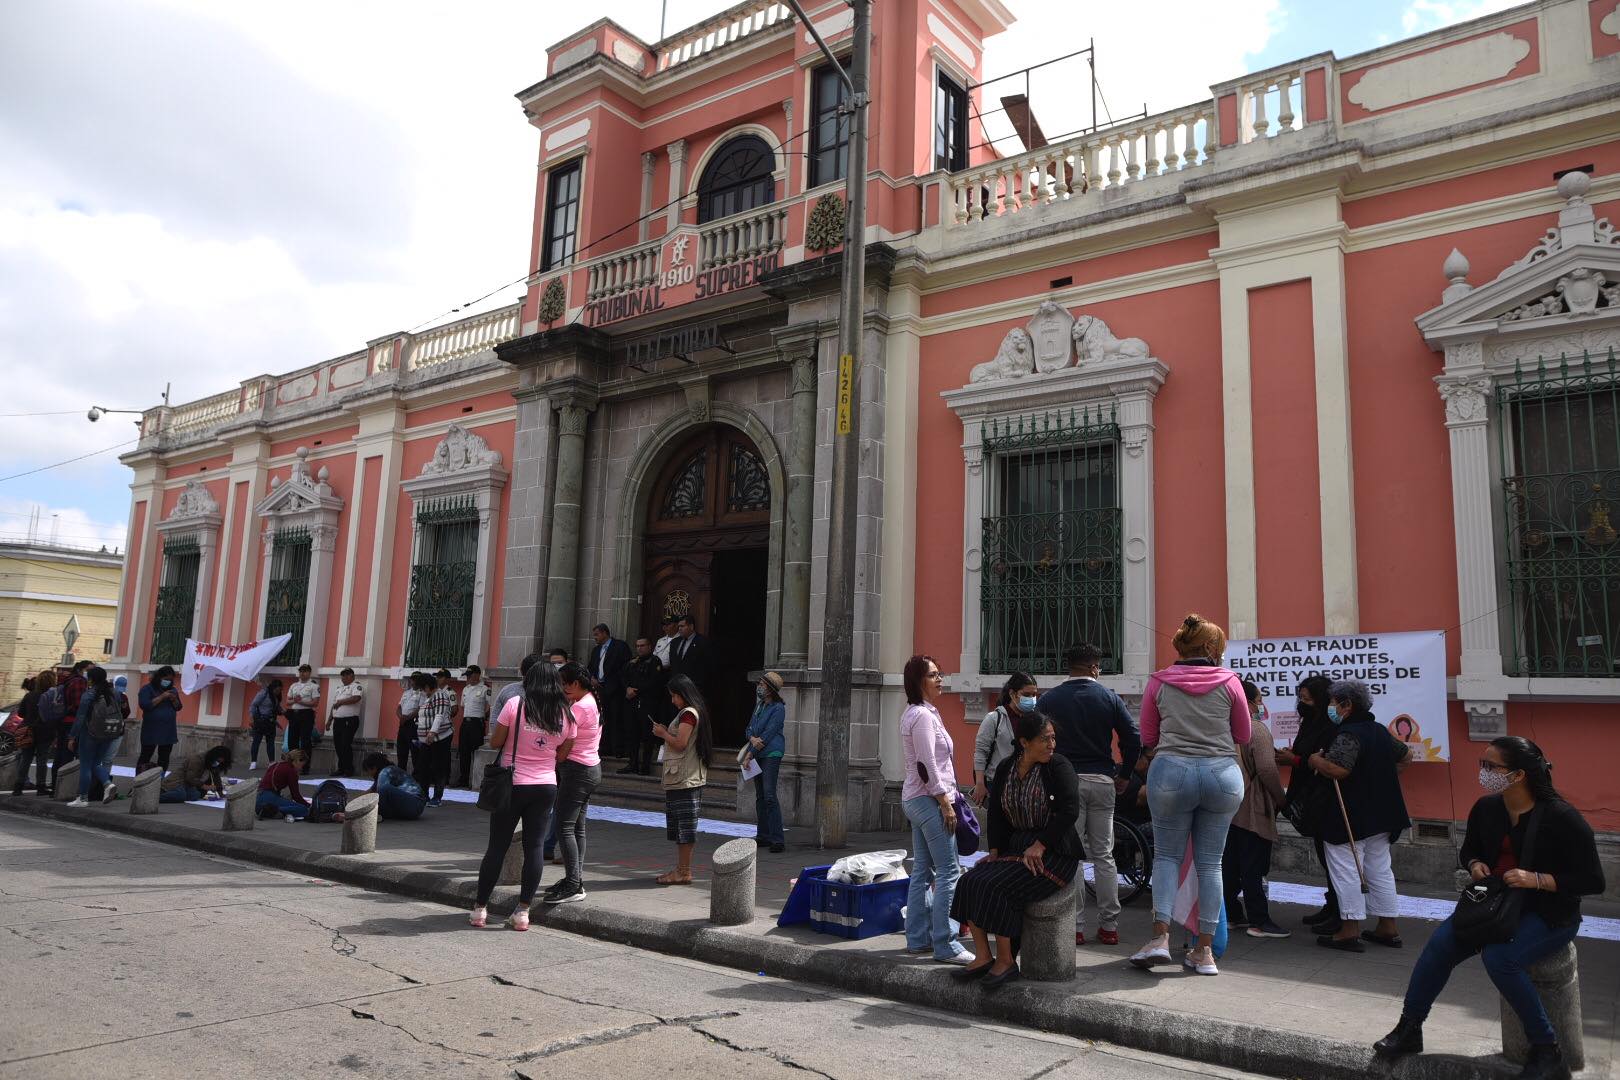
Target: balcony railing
pixel 1278 93
pixel 716 33
pixel 742 236
pixel 446 343
pixel 205 413
pixel 622 271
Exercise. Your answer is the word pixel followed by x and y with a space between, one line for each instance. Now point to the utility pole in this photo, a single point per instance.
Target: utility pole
pixel 838 625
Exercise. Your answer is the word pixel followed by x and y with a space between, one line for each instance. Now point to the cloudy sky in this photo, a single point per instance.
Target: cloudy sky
pixel 193 192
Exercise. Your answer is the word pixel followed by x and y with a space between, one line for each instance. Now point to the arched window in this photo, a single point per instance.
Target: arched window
pixel 737 178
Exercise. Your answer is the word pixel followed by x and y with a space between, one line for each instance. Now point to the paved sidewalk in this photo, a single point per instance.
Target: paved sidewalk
pixel 1286 1008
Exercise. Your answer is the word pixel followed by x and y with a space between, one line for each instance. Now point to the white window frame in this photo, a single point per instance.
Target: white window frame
pixel 300 502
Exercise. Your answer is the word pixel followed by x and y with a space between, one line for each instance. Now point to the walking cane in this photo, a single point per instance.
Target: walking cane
pixel 1351 834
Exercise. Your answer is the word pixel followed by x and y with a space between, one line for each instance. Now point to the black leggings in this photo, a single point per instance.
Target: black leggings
pixel 148 751
pixel 531 805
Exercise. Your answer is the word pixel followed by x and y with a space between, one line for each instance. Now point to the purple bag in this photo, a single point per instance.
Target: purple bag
pixel 967 826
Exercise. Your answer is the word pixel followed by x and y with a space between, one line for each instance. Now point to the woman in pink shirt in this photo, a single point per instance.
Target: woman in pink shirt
pixel 928 796
pixel 577 777
pixel 534 731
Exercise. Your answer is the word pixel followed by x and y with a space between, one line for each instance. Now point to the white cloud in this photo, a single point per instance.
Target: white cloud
pixel 1421 16
pixel 66 525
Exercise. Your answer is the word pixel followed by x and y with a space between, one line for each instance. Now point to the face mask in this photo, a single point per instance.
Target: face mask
pixel 1494 781
pixel 167 683
pixel 1027 704
pixel 759 695
pixel 1333 714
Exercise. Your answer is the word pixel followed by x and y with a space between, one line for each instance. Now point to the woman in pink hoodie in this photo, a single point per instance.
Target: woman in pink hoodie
pixel 1195 715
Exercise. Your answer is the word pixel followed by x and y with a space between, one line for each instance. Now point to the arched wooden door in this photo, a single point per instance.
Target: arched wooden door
pixel 705 553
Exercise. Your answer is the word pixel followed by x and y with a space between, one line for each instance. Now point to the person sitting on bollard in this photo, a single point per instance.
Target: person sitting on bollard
pixel 200 776
pixel 399 796
pixel 1034 801
pixel 283 777
pixel 1520 810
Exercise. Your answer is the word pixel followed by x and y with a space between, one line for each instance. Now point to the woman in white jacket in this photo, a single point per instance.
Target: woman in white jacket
pixel 994 743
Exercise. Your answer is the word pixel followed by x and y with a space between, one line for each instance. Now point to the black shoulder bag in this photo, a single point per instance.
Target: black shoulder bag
pixel 1489 910
pixel 495 790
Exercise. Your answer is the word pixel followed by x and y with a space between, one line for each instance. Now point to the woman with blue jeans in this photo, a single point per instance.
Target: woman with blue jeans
pixel 928 796
pixel 1194 716
pixel 96 754
pixel 1525 835
pixel 766 744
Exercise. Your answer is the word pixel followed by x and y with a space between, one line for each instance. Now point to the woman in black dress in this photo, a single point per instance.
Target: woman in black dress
pixel 1034 850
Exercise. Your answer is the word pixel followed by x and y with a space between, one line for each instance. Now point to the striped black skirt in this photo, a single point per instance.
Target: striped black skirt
pixel 993 894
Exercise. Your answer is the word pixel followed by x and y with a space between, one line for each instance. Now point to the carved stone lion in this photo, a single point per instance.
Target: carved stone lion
pixel 1014 359
pixel 1096 343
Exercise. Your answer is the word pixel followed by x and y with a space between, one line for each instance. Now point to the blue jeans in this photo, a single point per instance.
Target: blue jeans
pixel 767 808
pixel 1191 797
pixel 269 804
pixel 95 762
pixel 1507 965
pixel 933 860
pixel 398 804
pixel 180 794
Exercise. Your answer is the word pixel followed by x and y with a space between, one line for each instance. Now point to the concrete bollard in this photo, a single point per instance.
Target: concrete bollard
pixel 481 759
pixel 731 892
pixel 8 774
pixel 512 866
pixel 240 811
pixel 144 791
pixel 67 781
pixel 1557 979
pixel 1046 950
pixel 360 825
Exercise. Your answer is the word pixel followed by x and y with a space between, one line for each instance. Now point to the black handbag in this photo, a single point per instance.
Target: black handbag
pixel 495 790
pixel 1489 910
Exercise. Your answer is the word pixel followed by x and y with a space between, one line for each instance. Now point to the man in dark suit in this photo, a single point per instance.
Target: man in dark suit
pixel 689 655
pixel 606 664
pixel 647 695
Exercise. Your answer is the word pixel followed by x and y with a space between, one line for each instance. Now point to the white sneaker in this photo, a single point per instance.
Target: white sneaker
pixel 253 766
pixel 108 794
pixel 1156 951
pixel 962 957
pixel 480 916
pixel 1201 961
pixel 80 801
pixel 519 919
pixel 288 818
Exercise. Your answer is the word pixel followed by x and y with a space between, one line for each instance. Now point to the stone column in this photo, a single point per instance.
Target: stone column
pixel 562 580
pixel 677 182
pixel 800 523
pixel 1135 415
pixel 647 161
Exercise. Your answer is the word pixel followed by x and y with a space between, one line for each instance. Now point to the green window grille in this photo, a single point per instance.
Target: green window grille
pixel 1052 572
pixel 442 581
pixel 176 599
pixel 288 593
pixel 1559 432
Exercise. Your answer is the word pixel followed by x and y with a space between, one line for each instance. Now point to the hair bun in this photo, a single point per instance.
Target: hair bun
pixel 1191 622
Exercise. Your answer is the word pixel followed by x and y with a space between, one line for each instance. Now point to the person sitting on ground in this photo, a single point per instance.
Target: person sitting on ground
pixel 399 796
pixel 281 777
pixel 1247 859
pixel 1363 765
pixel 1523 834
pixel 1034 801
pixel 200 776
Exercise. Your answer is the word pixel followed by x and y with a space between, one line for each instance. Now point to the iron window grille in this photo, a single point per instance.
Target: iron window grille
pixel 439 621
pixel 739 178
pixel 829 128
pixel 1559 433
pixel 1053 570
pixel 562 217
pixel 176 599
pixel 287 597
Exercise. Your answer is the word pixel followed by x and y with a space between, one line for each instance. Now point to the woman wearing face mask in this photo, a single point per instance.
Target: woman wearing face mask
pixel 160 709
pixel 1367 815
pixel 766 743
pixel 994 743
pixel 1247 860
pixel 1561 867
pixel 1310 792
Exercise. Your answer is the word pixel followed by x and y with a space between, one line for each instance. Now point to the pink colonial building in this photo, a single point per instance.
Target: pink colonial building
pixel 1329 352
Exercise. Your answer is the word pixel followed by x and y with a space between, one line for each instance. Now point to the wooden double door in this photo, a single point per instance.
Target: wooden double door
pixel 706 555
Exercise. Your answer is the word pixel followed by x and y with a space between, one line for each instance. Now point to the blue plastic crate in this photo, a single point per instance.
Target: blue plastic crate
pixel 846 911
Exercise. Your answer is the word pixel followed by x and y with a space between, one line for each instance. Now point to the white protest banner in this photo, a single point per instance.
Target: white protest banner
pixel 1406 673
pixel 207 663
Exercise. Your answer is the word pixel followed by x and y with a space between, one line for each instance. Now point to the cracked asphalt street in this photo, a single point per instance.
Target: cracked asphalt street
pixel 135 959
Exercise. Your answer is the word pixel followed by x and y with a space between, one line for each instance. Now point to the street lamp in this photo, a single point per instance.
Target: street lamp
pixel 98 411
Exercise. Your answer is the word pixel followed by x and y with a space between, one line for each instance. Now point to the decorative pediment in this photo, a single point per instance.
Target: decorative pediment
pixel 299 493
pixel 1054 341
pixel 195 509
pixel 1568 283
pixel 461 461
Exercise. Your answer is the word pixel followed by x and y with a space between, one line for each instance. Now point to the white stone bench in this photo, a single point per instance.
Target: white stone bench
pixel 144 791
pixel 360 825
pixel 1046 947
pixel 240 810
pixel 67 781
pixel 1557 979
pixel 731 892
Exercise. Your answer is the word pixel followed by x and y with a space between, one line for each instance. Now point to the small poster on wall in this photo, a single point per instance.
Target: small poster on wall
pixel 1406 673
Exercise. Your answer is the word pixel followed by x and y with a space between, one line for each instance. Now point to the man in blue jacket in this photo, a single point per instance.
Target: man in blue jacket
pixel 1088 717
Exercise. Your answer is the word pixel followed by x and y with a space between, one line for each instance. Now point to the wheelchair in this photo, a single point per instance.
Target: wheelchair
pixel 1133 857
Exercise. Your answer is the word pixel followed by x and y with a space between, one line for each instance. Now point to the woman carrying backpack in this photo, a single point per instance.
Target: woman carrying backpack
pixel 264 710
pixel 98 731
pixel 38 751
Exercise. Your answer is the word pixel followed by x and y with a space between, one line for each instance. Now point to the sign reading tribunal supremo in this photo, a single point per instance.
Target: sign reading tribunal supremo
pixel 679 282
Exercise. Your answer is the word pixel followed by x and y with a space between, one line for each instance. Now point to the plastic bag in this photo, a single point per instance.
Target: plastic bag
pixel 872 866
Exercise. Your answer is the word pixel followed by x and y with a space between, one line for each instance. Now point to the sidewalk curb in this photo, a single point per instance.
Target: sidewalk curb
pixel 1214 1041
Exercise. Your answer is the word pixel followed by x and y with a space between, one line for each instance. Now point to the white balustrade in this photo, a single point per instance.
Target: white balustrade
pixel 720 31
pixel 455 340
pixel 1113 157
pixel 1279 94
pixel 741 236
pixel 204 413
pixel 622 271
